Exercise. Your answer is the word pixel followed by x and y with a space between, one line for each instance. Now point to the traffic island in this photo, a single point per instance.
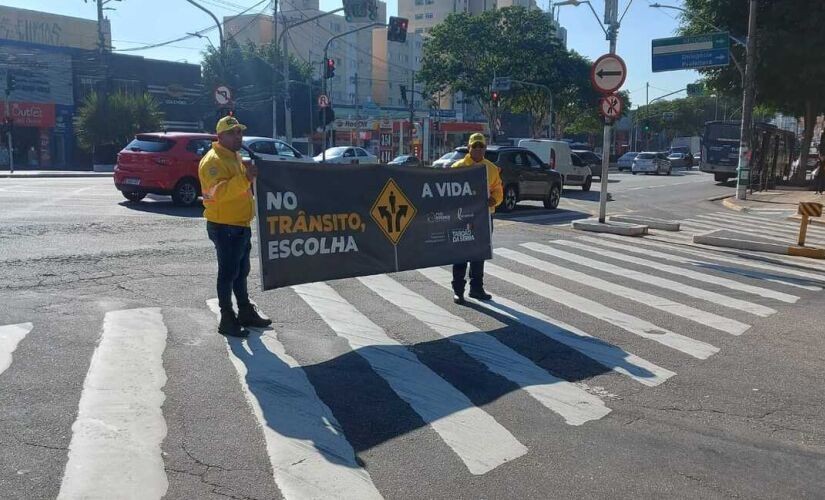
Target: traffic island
pixel 611 227
pixel 660 224
pixel 740 241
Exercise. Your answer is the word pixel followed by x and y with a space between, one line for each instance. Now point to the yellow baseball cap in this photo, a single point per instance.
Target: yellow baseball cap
pixel 477 137
pixel 228 123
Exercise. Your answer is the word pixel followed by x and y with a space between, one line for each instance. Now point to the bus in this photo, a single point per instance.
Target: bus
pixel 772 152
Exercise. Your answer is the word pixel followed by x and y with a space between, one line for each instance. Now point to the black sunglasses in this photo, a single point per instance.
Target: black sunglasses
pixel 478 145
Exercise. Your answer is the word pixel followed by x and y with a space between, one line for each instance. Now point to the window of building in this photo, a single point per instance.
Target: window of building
pixel 419 30
pixel 419 16
pixel 419 2
pixel 428 15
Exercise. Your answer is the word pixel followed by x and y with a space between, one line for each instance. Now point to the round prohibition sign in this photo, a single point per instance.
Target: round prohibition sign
pixel 610 106
pixel 323 101
pixel 223 95
pixel 608 73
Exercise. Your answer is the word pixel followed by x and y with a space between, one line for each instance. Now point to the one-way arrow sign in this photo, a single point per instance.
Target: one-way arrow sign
pixel 608 73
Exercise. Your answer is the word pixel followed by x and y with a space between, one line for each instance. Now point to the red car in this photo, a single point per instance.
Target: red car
pixel 162 163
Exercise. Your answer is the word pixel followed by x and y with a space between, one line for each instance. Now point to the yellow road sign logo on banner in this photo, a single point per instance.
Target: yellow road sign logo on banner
pixel 393 212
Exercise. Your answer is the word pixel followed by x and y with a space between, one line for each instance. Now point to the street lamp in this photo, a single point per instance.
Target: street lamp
pixel 215 18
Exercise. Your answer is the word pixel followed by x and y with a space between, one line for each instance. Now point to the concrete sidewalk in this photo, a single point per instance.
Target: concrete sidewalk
pixel 25 174
pixel 776 203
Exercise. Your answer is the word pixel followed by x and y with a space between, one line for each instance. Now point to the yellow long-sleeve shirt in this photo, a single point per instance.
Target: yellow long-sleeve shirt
pixel 227 193
pixel 494 185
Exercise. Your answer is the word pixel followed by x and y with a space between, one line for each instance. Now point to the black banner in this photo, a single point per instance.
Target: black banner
pixel 324 222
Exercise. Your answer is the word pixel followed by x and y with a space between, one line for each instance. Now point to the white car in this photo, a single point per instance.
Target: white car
pixel 274 150
pixel 448 159
pixel 349 155
pixel 561 158
pixel 651 163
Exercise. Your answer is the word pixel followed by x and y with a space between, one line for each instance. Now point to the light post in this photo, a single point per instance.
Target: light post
pixel 748 84
pixel 326 57
pixel 613 21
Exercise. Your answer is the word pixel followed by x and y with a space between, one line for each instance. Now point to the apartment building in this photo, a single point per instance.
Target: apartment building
pixel 425 14
pixel 353 83
pixel 393 66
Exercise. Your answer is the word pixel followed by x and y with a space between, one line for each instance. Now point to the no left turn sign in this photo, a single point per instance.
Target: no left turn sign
pixel 608 73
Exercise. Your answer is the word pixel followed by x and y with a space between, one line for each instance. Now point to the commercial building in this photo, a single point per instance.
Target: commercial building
pixel 55 62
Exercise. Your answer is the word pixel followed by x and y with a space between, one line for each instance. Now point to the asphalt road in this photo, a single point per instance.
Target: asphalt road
pixel 606 368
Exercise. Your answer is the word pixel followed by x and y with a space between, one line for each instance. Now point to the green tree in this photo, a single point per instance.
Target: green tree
pixel 250 71
pixel 790 64
pixel 113 121
pixel 464 53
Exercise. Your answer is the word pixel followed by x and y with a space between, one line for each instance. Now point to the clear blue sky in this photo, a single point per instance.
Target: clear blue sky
pixel 137 22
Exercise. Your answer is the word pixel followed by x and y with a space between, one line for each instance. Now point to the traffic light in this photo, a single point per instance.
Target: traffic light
pixel 329 69
pixel 11 81
pixel 397 31
pixel 356 10
pixel 403 93
pixel 495 98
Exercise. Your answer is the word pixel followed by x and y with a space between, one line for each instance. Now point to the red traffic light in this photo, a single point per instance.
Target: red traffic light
pixel 494 96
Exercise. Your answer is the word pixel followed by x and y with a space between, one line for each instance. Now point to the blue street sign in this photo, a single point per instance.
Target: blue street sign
pixel 691 52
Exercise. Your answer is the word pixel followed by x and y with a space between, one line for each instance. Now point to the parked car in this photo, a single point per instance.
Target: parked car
pixel 524 176
pixel 625 162
pixel 684 160
pixel 164 164
pixel 591 160
pixel 651 162
pixel 448 159
pixel 406 161
pixel 349 155
pixel 275 150
pixel 559 156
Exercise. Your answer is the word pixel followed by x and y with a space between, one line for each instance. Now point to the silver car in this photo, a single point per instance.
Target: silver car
pixel 274 150
pixel 651 163
pixel 448 159
pixel 625 162
pixel 349 155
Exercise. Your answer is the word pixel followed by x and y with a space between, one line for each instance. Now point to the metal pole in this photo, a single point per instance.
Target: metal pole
pixel 274 71
pixel 324 92
pixel 412 109
pixel 8 133
pixel 743 169
pixel 608 126
pixel 287 100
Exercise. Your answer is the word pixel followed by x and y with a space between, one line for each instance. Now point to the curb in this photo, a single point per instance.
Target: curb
pixel 593 225
pixel 758 246
pixel 722 197
pixel 661 224
pixel 728 203
pixel 55 175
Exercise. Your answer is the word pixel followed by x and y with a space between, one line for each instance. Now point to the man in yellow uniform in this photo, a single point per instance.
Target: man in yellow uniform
pixel 228 208
pixel 478 146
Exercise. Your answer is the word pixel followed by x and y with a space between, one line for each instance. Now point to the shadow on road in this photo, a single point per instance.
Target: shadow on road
pixel 542 216
pixel 164 207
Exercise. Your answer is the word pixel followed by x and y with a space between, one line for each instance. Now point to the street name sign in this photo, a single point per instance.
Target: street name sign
pixel 502 83
pixel 608 73
pixel 691 52
pixel 610 106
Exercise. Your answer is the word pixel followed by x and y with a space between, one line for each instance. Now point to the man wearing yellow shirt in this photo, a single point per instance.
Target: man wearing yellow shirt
pixel 478 146
pixel 226 185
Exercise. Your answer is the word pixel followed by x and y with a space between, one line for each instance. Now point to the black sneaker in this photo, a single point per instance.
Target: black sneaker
pixel 480 294
pixel 248 316
pixel 230 327
pixel 458 298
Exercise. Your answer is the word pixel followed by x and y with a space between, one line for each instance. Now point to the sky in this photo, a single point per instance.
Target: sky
pixel 139 22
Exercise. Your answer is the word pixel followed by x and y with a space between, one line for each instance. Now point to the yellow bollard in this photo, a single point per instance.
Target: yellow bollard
pixel 803 229
pixel 807 209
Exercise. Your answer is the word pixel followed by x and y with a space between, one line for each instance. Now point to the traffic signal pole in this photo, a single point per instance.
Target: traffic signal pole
pixel 326 57
pixel 612 32
pixel 743 168
pixel 8 130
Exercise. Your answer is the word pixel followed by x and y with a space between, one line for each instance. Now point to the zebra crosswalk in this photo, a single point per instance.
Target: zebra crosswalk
pixel 641 309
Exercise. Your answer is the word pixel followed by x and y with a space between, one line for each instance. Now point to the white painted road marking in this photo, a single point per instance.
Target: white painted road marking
pixel 115 451
pixel 667 284
pixel 479 441
pixel 10 336
pixel 636 326
pixel 309 454
pixel 573 404
pixel 704 318
pixel 608 355
pixel 687 273
pixel 707 255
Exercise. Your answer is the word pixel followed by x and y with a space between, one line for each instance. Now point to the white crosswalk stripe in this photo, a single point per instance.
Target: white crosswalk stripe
pixel 704 318
pixel 706 256
pixel 608 355
pixel 573 404
pixel 310 457
pixel 702 226
pixel 763 224
pixel 10 337
pixel 481 442
pixel 632 324
pixel 687 273
pixel 657 281
pixel 115 450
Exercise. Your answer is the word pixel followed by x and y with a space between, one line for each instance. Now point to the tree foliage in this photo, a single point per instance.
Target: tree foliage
pixel 114 121
pixel 790 64
pixel 464 53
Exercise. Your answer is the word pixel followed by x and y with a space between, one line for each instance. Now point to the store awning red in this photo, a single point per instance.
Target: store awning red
pixel 31 114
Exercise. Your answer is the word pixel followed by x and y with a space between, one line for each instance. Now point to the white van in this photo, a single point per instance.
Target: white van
pixel 559 156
